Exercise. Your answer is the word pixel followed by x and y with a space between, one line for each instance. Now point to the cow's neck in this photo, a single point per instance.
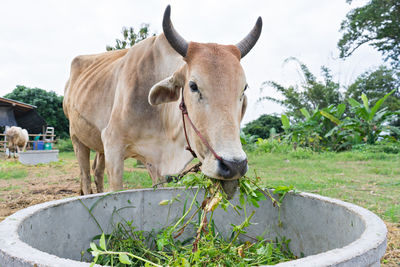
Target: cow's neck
pixel 164 147
pixel 176 154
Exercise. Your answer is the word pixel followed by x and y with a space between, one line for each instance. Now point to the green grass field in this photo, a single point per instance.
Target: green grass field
pixel 368 179
pixel 371 180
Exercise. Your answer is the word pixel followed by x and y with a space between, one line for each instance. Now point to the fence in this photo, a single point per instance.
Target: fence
pixel 3 141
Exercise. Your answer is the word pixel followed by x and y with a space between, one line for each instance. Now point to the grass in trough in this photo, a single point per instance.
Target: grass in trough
pixel 205 246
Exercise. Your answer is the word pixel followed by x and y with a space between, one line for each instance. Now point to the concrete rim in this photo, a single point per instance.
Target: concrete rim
pixel 368 249
pixel 374 238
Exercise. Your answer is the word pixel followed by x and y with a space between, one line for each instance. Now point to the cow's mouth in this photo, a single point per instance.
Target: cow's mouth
pixel 230 187
pixel 227 174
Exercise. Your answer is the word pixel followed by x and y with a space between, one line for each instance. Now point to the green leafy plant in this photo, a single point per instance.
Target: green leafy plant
pixel 248 141
pixel 366 125
pixel 64 145
pixel 273 146
pixel 309 131
pixel 332 128
pixel 127 245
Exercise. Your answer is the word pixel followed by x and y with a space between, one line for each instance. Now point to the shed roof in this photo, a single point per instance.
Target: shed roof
pixel 13 112
pixel 18 106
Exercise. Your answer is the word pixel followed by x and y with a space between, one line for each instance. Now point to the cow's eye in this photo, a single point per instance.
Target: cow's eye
pixel 245 87
pixel 193 87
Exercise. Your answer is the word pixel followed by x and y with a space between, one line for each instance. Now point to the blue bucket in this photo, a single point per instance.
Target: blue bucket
pixel 38 145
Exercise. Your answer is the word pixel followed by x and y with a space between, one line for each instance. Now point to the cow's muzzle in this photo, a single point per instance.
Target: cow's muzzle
pixel 229 169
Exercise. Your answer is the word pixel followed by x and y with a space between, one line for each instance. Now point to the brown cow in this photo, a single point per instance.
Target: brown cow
pixel 125 103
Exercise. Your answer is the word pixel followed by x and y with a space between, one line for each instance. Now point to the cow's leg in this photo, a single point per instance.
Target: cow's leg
pixel 114 151
pixel 115 167
pixel 98 170
pixel 18 150
pixel 82 153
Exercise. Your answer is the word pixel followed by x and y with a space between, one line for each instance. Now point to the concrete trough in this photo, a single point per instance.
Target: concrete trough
pixel 328 232
pixel 34 157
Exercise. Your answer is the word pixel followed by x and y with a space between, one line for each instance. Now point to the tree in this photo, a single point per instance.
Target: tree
pixel 262 126
pixel 375 84
pixel 378 24
pixel 49 106
pixel 311 94
pixel 130 37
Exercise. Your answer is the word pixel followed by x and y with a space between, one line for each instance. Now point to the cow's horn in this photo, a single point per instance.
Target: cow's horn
pixel 251 39
pixel 173 37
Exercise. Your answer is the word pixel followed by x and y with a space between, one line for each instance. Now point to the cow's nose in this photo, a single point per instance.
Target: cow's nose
pixel 231 168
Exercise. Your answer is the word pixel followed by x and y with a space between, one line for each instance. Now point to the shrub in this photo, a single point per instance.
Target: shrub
pixel 272 145
pixel 384 146
pixel 248 141
pixel 64 145
pixel 333 128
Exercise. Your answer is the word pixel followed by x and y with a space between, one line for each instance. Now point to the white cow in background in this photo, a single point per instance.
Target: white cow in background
pixel 17 138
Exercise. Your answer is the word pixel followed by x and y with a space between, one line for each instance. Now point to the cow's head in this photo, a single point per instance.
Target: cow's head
pixel 11 133
pixel 214 85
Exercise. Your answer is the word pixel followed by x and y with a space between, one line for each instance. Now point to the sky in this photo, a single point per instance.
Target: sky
pixel 39 39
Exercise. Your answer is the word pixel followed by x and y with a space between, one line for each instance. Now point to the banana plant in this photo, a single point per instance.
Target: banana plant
pixel 306 132
pixel 366 125
pixel 371 122
pixel 334 128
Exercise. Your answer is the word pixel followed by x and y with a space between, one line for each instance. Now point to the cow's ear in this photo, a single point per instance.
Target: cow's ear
pixel 244 106
pixel 167 90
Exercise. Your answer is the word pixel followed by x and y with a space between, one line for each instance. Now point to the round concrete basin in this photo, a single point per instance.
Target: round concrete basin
pixel 326 231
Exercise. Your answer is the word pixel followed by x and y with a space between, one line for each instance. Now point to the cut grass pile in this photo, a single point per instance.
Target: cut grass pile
pixel 206 246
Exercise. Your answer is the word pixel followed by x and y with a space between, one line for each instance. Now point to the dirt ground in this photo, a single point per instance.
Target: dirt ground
pixel 45 183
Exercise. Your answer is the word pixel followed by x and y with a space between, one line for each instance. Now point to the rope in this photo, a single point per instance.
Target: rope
pixel 182 107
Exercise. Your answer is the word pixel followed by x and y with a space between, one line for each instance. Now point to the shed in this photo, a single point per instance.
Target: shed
pixel 15 113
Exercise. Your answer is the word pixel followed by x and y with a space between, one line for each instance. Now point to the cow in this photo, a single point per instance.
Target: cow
pixel 128 103
pixel 17 138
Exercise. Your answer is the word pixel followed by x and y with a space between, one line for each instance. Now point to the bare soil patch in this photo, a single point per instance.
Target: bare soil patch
pixel 43 183
pixel 392 256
